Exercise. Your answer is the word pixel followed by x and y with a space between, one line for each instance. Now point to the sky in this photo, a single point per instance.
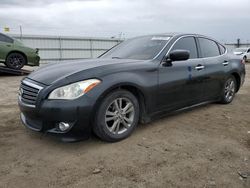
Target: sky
pixel 225 20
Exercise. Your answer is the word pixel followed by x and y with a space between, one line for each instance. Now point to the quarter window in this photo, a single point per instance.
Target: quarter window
pixel 208 47
pixel 187 43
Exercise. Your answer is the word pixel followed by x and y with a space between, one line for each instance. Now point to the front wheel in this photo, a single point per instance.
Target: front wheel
pixel 117 116
pixel 229 90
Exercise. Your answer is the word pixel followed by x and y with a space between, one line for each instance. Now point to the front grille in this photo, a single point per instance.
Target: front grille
pixel 29 92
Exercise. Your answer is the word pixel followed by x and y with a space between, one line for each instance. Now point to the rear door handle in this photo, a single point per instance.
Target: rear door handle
pixel 199 67
pixel 8 45
pixel 225 63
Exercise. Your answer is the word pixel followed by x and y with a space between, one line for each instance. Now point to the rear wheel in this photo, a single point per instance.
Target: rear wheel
pixel 15 61
pixel 229 90
pixel 117 116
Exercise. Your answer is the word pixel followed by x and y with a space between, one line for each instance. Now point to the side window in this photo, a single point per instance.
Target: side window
pixel 208 47
pixel 222 49
pixel 7 39
pixel 187 43
pixel 248 51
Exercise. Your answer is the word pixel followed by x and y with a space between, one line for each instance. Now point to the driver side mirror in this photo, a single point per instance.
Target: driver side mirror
pixel 176 55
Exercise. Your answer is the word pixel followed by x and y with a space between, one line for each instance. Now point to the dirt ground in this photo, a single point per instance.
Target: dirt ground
pixel 208 146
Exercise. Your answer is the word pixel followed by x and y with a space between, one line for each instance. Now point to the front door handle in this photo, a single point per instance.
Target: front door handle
pixel 225 63
pixel 8 45
pixel 199 67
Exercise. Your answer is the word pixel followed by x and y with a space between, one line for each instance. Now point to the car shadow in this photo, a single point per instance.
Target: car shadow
pixel 96 142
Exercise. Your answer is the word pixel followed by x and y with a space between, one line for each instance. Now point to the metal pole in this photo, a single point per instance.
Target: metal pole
pixel 91 48
pixel 60 48
pixel 238 43
pixel 21 32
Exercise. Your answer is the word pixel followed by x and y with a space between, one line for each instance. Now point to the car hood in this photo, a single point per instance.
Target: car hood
pixel 53 72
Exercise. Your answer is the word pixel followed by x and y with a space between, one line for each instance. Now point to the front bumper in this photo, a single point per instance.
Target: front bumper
pixel 46 117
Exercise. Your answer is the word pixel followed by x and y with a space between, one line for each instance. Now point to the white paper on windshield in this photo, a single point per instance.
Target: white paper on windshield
pixel 160 38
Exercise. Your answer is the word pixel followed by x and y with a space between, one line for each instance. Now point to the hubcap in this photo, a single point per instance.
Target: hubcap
pixel 229 90
pixel 119 115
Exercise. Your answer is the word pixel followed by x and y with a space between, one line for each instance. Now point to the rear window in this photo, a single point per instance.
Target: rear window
pixel 209 48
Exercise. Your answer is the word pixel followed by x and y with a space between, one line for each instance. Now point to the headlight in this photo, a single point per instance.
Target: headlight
pixel 74 90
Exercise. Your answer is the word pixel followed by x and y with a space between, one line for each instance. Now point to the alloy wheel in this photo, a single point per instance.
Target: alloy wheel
pixel 229 89
pixel 119 115
pixel 16 61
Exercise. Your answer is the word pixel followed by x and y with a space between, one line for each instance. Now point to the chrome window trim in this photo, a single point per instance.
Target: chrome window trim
pixel 197 36
pixel 171 37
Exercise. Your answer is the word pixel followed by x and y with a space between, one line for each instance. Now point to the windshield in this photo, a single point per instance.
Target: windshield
pixel 141 48
pixel 240 50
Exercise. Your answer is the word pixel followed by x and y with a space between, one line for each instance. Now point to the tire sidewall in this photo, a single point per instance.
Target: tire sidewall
pixel 100 116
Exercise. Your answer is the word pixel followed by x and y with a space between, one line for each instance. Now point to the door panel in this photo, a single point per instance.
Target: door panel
pixel 6 44
pixel 216 66
pixel 5 48
pixel 3 51
pixel 196 81
pixel 216 69
pixel 213 77
pixel 172 92
pixel 181 84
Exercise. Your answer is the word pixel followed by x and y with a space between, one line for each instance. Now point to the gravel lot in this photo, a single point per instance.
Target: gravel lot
pixel 208 146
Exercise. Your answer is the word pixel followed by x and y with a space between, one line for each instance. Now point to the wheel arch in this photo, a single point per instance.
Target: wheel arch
pixel 135 90
pixel 238 80
pixel 17 51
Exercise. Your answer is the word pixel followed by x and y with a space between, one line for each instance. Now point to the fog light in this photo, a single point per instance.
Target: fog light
pixel 63 126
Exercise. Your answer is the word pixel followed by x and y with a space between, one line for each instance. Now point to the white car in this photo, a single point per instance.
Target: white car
pixel 243 52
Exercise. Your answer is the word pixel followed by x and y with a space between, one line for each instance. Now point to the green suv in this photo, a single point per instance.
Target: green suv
pixel 15 55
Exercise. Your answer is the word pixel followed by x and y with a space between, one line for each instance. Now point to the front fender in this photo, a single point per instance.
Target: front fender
pixel 143 82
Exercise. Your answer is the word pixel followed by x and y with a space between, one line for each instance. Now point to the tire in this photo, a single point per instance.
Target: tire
pixel 111 124
pixel 15 61
pixel 229 90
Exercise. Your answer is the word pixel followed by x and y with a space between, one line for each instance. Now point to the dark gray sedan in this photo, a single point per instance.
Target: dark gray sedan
pixel 138 80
